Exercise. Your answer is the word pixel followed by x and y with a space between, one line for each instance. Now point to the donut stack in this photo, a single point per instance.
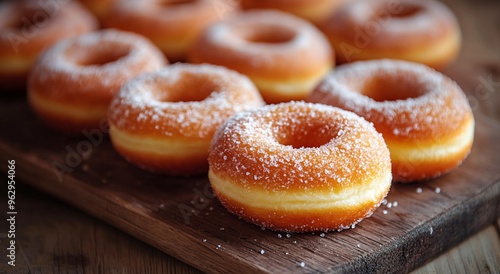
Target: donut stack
pixel 247 93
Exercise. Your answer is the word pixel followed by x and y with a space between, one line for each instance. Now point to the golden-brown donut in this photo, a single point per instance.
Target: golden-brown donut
pixel 315 11
pixel 423 115
pixel 164 121
pixel 172 25
pixel 299 167
pixel 282 54
pixel 28 27
pixel 73 82
pixel 420 31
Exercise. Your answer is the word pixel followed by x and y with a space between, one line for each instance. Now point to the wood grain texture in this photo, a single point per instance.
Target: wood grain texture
pixel 53 237
pixel 181 217
pixel 479 254
pixel 56 238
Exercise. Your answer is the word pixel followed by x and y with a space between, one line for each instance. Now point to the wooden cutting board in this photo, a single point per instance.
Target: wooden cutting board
pixel 181 217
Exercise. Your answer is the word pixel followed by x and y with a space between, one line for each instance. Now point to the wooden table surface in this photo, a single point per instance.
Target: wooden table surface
pixel 53 237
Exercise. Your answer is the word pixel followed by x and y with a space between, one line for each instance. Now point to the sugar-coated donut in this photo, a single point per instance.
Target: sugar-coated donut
pixel 299 167
pixel 315 11
pixel 172 25
pixel 284 56
pixel 423 115
pixel 164 121
pixel 28 27
pixel 420 31
pixel 73 82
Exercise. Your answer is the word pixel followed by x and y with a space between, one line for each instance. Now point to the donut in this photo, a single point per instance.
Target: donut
pixel 73 82
pixel 164 121
pixel 315 11
pixel 299 167
pixel 284 56
pixel 425 32
pixel 172 25
pixel 423 115
pixel 29 27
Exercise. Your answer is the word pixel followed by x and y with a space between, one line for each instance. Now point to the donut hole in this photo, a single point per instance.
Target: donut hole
pixel 391 88
pixel 268 34
pixel 188 88
pixel 102 56
pixel 174 3
pixel 305 134
pixel 407 10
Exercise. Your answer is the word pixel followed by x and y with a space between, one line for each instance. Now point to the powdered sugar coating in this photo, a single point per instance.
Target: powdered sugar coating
pixel 237 34
pixel 182 100
pixel 400 22
pixel 438 106
pixel 421 31
pixel 48 25
pixel 298 167
pixel 253 146
pixel 264 43
pixel 423 115
pixel 68 68
pixel 27 28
